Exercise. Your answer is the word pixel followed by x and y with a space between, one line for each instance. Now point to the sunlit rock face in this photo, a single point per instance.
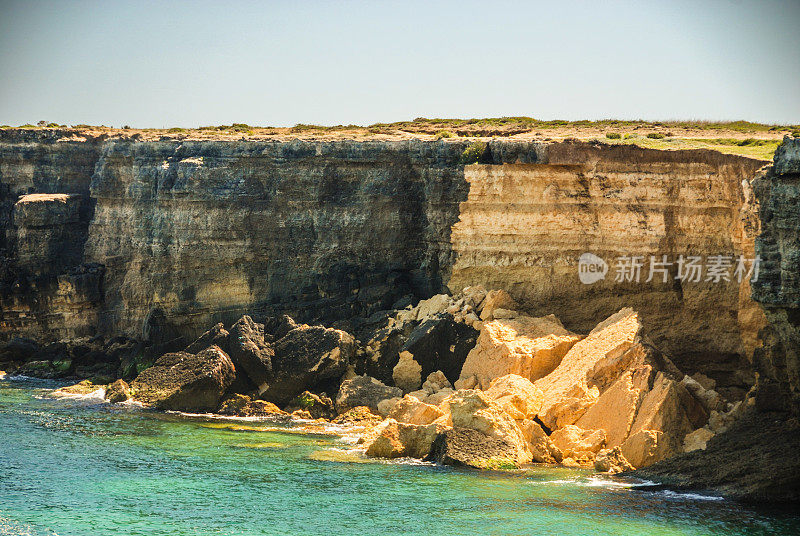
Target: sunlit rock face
pixel 524 227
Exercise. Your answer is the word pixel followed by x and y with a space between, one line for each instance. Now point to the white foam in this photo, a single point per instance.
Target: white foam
pixel 98 394
pixel 688 495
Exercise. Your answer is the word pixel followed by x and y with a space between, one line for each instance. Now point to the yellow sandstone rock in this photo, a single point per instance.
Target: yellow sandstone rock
pixel 527 346
pixel 412 411
pixel 496 299
pixel 572 440
pixel 407 374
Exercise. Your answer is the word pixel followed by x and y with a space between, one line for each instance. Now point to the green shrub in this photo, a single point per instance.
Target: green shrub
pixel 444 134
pixel 176 129
pixel 613 135
pixel 472 154
pixel 655 136
pixel 631 136
pixel 748 141
pixel 796 133
pixel 81 126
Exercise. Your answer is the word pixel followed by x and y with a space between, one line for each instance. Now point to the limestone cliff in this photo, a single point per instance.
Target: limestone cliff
pixel 160 239
pixel 523 228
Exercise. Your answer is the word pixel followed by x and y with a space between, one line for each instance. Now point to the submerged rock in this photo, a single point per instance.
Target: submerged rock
pixel 359 415
pixel 186 382
pixel 244 406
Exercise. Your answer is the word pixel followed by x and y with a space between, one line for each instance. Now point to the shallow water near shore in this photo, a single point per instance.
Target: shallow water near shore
pixel 81 467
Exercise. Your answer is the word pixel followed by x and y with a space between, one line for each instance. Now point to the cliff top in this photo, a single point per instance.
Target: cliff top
pixel 755 140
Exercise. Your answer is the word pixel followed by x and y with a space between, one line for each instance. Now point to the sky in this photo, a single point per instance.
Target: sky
pixel 187 64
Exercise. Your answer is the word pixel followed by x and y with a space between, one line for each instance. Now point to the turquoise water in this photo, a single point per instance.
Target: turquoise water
pixel 78 467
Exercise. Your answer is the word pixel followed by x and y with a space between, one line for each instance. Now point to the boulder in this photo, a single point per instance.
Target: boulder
pixel 359 415
pixel 398 440
pixel 118 391
pixel 526 346
pixel 541 447
pixel 186 382
pixel 441 343
pixel 317 406
pixel 364 391
pixel 474 295
pixel 216 336
pixel 436 381
pixel 475 410
pixel 697 440
pixel 81 388
pixel 244 406
pixel 615 410
pixel 572 440
pixel 407 374
pixel 250 352
pixel 385 406
pixel 412 411
pixel 277 327
pixel 567 386
pixel 611 461
pixel 471 448
pixel 306 357
pixel 518 393
pixel 431 307
pixel 496 299
pixel 646 447
pixel 382 351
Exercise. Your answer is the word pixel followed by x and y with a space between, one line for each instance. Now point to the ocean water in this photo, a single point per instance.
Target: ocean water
pixel 79 467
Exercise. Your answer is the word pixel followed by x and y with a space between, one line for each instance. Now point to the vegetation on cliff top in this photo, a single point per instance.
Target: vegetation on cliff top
pixel 756 140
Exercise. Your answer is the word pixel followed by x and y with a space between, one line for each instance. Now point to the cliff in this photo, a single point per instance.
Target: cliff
pixel 160 239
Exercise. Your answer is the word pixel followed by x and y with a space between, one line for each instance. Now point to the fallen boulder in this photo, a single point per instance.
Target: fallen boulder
pixel 250 352
pixel 398 440
pixel 517 394
pixel 118 391
pixel 471 448
pixel 364 391
pixel 572 440
pixel 496 299
pixel 611 461
pixel 317 406
pixel 216 336
pixel 306 357
pixel 186 382
pixel 244 406
pixel 411 410
pixel 407 374
pixel 527 346
pixel 441 343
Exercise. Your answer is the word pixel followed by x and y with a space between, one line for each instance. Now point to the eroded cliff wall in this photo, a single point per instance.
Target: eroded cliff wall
pixel 171 236
pixel 524 227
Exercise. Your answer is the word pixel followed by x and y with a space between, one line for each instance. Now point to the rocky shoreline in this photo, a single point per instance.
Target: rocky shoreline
pixel 520 389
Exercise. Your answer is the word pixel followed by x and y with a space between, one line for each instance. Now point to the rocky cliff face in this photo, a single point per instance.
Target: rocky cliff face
pixel 160 239
pixel 523 228
pixel 778 288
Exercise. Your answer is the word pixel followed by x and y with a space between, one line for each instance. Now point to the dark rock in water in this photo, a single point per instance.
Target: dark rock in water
pixel 186 382
pixel 250 352
pixel 119 391
pixel 755 460
pixel 216 336
pixel 441 343
pixel 244 406
pixel 471 448
pixel 306 357
pixel 317 406
pixel 364 391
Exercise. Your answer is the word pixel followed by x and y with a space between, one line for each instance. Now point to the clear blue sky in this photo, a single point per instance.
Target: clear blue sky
pixel 177 63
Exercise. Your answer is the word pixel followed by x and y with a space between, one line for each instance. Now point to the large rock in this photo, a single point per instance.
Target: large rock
pixel 318 406
pixel 216 336
pixel 364 391
pixel 572 440
pixel 526 346
pixel 475 410
pixel 471 448
pixel 516 394
pixel 567 386
pixel 244 406
pixel 119 391
pixel 407 374
pixel 411 410
pixel 186 382
pixel 398 440
pixel 250 352
pixel 615 410
pixel 441 343
pixel 496 299
pixel 306 357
